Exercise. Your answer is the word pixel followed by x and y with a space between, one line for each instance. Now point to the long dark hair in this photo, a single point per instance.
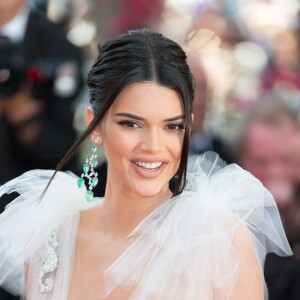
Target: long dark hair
pixel 139 55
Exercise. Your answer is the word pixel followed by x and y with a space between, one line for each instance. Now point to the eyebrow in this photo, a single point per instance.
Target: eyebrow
pixel 142 119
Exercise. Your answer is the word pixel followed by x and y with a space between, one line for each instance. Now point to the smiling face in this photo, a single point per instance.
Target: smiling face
pixel 142 137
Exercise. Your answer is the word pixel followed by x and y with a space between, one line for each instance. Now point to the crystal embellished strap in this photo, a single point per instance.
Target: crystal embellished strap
pixel 49 261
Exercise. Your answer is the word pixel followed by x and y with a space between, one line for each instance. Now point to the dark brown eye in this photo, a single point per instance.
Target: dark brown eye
pixel 130 124
pixel 175 127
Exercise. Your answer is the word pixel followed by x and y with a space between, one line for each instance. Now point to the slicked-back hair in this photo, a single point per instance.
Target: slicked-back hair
pixel 139 56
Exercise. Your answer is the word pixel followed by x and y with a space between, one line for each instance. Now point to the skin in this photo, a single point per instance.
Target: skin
pixel 127 140
pixel 249 281
pixel 268 155
pixel 102 231
pixel 131 194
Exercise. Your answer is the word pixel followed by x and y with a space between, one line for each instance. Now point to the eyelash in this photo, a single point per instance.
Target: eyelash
pixel 129 124
pixel 169 127
pixel 175 127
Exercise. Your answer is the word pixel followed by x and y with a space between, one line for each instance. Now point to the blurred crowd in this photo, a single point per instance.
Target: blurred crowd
pixel 245 57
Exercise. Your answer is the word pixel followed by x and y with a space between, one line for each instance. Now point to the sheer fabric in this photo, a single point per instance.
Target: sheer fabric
pixel 182 250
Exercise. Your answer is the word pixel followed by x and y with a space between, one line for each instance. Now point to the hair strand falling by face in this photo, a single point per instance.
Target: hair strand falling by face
pixel 137 56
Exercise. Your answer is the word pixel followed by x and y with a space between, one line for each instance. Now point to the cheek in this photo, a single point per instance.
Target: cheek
pixel 118 144
pixel 174 146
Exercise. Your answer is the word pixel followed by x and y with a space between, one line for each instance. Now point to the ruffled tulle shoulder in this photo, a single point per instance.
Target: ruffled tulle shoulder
pixel 29 220
pixel 182 250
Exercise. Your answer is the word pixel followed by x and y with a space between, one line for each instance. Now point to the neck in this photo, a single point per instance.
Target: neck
pixel 122 211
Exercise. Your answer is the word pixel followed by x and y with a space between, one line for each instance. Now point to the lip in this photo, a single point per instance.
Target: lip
pixel 149 160
pixel 148 173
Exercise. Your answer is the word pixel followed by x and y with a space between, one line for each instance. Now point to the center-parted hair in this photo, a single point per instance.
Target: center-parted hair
pixel 137 56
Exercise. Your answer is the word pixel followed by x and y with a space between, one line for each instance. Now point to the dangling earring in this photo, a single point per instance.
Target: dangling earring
pixel 89 172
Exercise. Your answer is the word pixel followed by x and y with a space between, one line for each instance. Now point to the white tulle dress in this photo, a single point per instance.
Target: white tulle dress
pixel 179 251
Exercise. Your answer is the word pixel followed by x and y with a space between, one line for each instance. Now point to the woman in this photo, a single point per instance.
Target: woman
pixel 206 239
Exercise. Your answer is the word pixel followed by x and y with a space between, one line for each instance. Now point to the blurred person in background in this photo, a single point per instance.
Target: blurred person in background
pixel 283 71
pixel 40 77
pixel 266 148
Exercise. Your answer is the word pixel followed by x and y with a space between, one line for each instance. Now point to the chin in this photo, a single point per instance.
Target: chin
pixel 149 190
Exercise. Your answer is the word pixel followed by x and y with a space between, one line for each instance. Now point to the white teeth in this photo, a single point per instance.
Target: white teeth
pixel 149 165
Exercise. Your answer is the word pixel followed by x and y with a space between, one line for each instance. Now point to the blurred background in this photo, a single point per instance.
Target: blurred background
pixel 245 57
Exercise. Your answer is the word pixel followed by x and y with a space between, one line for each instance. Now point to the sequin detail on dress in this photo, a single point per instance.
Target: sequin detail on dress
pixel 49 261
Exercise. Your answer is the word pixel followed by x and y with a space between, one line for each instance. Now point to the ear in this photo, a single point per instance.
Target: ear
pixel 192 118
pixel 89 117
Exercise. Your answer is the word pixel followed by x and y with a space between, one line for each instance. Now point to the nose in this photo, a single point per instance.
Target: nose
pixel 152 141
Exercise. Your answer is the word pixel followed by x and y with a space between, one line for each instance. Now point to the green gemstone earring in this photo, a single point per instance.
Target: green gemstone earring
pixel 89 172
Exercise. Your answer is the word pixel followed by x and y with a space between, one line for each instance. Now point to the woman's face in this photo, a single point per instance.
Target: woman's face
pixel 142 138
